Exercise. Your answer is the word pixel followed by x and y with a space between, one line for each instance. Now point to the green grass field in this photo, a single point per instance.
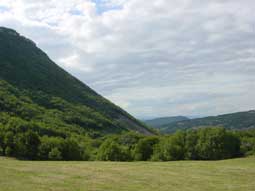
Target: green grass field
pixel 234 175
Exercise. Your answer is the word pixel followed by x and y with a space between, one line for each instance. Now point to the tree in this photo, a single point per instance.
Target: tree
pixel 171 148
pixel 175 147
pixel 71 150
pixel 47 144
pixel 248 145
pixel 129 139
pixel 32 142
pixel 8 145
pixel 112 151
pixel 216 144
pixel 191 140
pixel 55 154
pixel 27 145
pixel 2 145
pixel 9 151
pixel 144 148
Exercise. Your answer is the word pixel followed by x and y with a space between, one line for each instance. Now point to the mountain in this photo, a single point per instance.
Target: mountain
pixel 158 122
pixel 237 121
pixel 34 89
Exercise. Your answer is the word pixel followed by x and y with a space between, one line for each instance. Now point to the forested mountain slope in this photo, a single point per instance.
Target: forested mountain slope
pixel 158 122
pixel 33 88
pixel 237 121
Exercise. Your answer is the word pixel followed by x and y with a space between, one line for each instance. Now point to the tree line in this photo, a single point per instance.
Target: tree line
pixel 202 144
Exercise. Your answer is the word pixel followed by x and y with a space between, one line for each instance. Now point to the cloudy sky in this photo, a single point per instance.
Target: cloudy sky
pixel 152 57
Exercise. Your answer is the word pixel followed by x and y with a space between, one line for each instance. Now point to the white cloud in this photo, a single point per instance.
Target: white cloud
pixel 153 58
pixel 74 62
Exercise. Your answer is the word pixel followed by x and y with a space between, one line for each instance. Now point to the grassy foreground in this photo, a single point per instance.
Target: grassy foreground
pixel 237 174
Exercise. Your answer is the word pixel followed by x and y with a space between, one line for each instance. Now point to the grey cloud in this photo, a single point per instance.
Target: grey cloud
pixel 184 57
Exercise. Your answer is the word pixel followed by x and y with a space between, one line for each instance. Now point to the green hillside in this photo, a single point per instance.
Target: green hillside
pixel 158 122
pixel 33 88
pixel 235 121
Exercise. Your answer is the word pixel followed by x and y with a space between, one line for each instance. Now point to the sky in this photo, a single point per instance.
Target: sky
pixel 153 58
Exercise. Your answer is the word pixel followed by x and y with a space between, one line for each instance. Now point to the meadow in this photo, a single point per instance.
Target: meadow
pixel 234 175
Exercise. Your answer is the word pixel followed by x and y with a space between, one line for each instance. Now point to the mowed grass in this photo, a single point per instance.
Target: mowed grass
pixel 234 175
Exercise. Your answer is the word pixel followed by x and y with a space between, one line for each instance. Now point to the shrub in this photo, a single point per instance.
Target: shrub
pixel 171 148
pixel 55 154
pixel 217 143
pixel 144 148
pixel 112 151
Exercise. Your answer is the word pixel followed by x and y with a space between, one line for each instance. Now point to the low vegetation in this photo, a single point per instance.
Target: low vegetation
pixel 227 175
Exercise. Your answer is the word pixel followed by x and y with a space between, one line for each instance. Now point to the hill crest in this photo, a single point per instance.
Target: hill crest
pixel 236 121
pixel 28 69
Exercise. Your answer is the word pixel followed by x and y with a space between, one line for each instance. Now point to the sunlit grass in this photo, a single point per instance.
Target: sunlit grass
pixel 234 175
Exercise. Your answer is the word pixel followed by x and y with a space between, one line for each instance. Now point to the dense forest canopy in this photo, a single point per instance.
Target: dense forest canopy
pixel 28 70
pixel 25 141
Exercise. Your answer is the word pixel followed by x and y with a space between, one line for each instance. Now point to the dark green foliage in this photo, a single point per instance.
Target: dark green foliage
pixel 9 151
pixel 48 144
pixel 191 140
pixel 171 148
pixel 55 154
pixel 129 140
pixel 110 150
pixel 71 150
pixel 217 143
pixel 8 145
pixel 144 148
pixel 68 149
pixel 68 118
pixel 26 145
pixel 203 144
pixel 248 142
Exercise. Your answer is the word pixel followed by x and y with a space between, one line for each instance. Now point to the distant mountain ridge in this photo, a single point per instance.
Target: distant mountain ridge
pixel 236 121
pixel 158 122
pixel 33 80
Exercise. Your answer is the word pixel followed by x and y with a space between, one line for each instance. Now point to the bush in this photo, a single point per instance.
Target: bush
pixel 112 151
pixel 171 148
pixel 216 144
pixel 31 144
pixel 9 151
pixel 144 148
pixel 8 145
pixel 202 144
pixel 190 145
pixel 248 146
pixel 55 154
pixel 71 150
pixel 49 143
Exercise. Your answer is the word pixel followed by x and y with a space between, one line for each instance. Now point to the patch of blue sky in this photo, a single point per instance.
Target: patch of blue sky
pixel 76 12
pixel 102 6
pixel 3 9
